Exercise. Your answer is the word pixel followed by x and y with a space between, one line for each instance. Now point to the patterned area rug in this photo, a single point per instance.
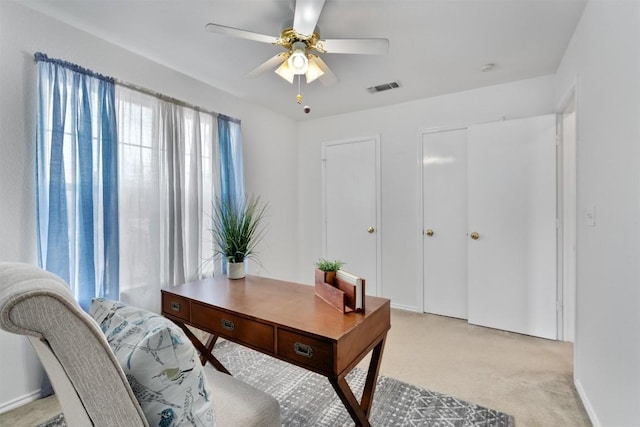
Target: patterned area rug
pixel 307 399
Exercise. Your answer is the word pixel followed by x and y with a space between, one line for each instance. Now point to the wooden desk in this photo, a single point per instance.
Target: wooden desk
pixel 285 320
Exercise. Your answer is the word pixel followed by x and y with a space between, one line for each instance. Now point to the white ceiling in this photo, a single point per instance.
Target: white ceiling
pixel 436 46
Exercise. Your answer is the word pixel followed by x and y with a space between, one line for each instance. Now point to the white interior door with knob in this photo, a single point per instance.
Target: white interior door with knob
pixel 351 207
pixel 512 208
pixel 444 208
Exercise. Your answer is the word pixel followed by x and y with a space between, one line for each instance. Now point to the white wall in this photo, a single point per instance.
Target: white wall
pixel 604 59
pixel 399 127
pixel 270 152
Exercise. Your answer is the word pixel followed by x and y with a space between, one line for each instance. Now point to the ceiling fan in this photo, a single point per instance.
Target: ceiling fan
pixel 302 44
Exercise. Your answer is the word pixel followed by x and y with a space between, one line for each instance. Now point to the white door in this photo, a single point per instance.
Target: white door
pixel 351 207
pixel 444 198
pixel 512 208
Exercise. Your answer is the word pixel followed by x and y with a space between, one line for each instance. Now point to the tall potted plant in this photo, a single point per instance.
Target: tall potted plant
pixel 237 228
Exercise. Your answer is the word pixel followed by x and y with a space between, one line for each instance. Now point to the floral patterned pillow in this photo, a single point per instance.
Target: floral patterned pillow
pixel 161 364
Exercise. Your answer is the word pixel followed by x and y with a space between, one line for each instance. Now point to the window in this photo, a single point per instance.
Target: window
pixel 125 184
pixel 166 187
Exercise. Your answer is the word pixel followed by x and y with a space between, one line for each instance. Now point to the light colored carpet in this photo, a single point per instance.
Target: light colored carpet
pixel 32 414
pixel 528 378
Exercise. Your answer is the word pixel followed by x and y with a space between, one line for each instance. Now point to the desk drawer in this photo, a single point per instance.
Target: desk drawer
pixel 175 306
pixel 233 327
pixel 301 349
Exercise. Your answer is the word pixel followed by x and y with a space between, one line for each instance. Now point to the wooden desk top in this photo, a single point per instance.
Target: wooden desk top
pixel 290 305
pixel 288 321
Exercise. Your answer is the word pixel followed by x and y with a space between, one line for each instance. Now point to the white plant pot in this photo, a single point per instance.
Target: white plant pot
pixel 235 270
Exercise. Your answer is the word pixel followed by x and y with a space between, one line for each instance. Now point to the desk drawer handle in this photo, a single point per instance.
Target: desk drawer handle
pixel 227 324
pixel 303 349
pixel 175 306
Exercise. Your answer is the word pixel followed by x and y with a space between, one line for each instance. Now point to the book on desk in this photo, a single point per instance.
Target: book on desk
pixel 344 291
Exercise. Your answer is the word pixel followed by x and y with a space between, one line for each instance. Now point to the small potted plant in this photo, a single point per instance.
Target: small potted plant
pixel 237 228
pixel 326 270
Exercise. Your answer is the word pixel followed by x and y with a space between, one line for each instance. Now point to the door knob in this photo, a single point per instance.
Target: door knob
pixel 370 230
pixel 474 235
pixel 428 232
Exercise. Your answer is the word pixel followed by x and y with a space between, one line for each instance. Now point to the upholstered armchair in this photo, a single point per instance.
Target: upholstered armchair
pixel 90 384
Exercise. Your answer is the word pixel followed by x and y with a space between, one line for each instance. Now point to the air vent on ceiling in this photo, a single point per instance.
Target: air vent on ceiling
pixel 383 87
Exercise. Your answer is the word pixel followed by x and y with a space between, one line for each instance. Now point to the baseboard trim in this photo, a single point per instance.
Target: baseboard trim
pixel 19 401
pixel 587 404
pixel 406 307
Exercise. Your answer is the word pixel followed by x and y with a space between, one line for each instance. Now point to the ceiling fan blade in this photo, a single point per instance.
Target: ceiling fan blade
pixel 236 32
pixel 268 64
pixel 328 78
pixel 357 46
pixel 306 16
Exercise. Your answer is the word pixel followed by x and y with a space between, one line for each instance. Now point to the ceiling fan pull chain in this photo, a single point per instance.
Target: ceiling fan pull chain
pixel 299 97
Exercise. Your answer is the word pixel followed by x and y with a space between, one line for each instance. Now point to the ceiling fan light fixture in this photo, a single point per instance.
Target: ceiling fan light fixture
pixel 284 72
pixel 298 61
pixel 313 71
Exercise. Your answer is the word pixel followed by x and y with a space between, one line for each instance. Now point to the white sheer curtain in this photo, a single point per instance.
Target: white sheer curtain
pixel 166 175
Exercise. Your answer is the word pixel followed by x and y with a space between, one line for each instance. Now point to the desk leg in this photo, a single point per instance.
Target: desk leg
pixel 211 342
pixel 360 411
pixel 205 351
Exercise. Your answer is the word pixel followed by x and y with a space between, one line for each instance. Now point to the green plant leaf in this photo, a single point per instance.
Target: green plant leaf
pixel 326 265
pixel 237 228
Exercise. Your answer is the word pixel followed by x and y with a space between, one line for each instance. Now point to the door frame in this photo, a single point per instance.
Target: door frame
pixel 323 158
pixel 567 292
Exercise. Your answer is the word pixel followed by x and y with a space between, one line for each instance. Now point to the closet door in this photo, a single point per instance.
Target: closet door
pixel 351 206
pixel 444 207
pixel 512 226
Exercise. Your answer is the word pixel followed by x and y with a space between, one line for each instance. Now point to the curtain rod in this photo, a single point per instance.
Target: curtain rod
pixel 164 97
pixel 39 56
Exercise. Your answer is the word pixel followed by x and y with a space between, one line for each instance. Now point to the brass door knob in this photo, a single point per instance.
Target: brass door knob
pixel 474 235
pixel 370 230
pixel 428 232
